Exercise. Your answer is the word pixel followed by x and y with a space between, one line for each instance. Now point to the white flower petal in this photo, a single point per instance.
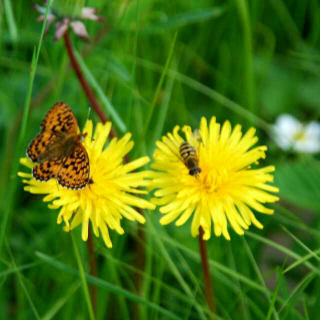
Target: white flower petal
pixel 307 145
pixel 80 29
pixel 288 123
pixel 90 13
pixel 61 28
pixel 289 133
pixel 285 129
pixel 312 130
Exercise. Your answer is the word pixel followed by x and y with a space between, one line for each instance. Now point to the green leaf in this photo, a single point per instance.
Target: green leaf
pixel 299 183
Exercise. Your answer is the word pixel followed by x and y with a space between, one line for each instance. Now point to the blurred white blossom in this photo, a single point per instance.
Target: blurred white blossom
pixel 67 14
pixel 291 134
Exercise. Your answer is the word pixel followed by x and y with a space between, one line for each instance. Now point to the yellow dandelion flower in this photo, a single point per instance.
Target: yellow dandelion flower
pixel 111 193
pixel 226 189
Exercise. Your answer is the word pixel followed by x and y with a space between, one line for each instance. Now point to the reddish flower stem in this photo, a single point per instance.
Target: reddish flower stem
pixel 85 86
pixel 47 89
pixel 93 270
pixel 95 105
pixel 97 108
pixel 208 288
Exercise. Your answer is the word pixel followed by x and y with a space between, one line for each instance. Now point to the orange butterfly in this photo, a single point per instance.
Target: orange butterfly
pixel 58 150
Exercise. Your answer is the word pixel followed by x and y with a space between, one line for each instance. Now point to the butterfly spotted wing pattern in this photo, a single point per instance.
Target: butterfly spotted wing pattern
pixel 75 171
pixel 60 118
pixel 47 170
pixel 40 144
pixel 59 151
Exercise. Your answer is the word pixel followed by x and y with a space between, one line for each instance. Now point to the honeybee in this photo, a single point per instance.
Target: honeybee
pixel 190 158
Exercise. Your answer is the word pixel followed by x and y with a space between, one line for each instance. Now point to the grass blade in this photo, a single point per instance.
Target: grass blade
pixel 164 108
pixel 247 51
pixel 216 265
pixel 288 305
pixel 133 70
pixel 15 166
pixel 303 259
pixel 10 19
pixel 153 280
pixel 83 278
pixel 173 267
pixel 105 101
pixel 106 285
pixel 185 19
pixel 301 244
pixel 52 312
pixel 210 93
pixel 260 277
pixel 155 97
pixel 24 289
pixel 282 249
pixel 274 299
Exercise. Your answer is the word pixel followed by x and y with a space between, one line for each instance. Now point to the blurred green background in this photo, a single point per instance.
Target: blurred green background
pixel 230 59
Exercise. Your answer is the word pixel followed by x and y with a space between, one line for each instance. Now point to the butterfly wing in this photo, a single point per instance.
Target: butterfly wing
pixel 75 171
pixel 42 142
pixel 60 118
pixel 47 170
pixel 51 149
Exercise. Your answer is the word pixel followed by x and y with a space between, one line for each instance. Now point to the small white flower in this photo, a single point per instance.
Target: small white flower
pixel 63 22
pixel 289 133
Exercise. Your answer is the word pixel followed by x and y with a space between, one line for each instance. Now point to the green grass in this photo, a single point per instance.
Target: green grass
pixel 157 65
pixel 19 147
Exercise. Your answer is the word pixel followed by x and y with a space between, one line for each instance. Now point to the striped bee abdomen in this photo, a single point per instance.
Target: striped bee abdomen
pixel 190 158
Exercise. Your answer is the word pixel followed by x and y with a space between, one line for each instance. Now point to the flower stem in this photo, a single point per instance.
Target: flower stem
pixel 83 278
pixel 85 86
pixel 93 270
pixel 97 108
pixel 95 105
pixel 208 289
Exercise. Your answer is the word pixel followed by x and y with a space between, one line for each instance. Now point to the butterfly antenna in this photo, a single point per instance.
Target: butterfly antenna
pixel 89 111
pixel 57 185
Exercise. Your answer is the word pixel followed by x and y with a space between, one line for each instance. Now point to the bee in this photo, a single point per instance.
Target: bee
pixel 190 158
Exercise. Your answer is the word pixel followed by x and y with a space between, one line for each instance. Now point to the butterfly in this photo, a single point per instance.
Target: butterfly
pixel 58 150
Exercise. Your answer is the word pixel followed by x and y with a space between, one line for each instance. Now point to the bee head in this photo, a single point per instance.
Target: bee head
pixel 194 171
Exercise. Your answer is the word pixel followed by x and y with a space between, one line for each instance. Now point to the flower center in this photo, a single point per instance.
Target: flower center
pixel 300 136
pixel 214 179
